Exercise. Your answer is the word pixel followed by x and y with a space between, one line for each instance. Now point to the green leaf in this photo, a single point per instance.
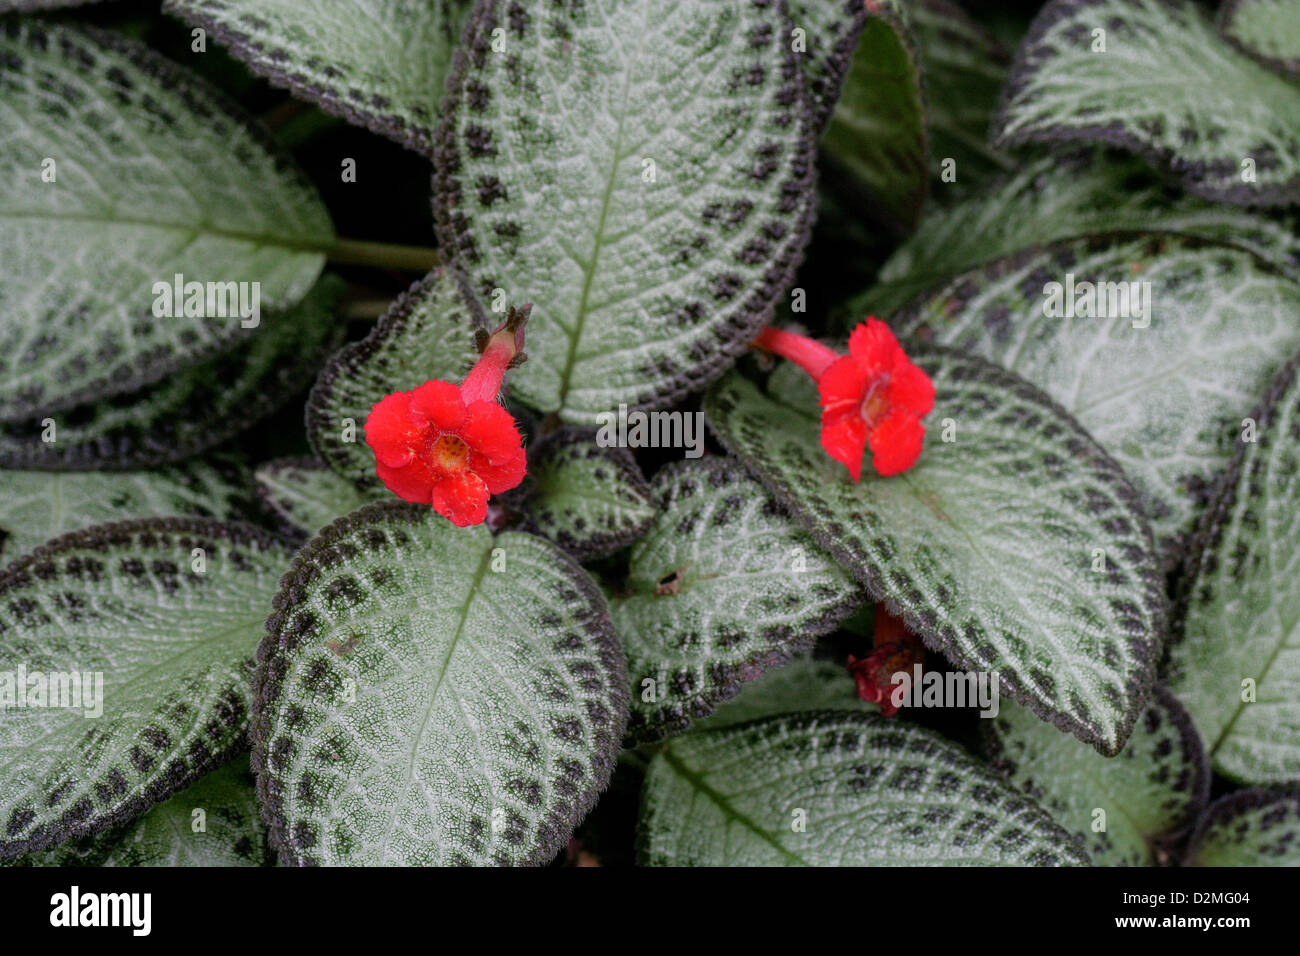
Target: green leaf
pixel 986 548
pixel 155 175
pixel 1249 828
pixel 877 130
pixel 963 67
pixel 173 645
pixel 231 835
pixel 647 280
pixel 837 789
pixel 1165 87
pixel 1268 30
pixel 36 506
pixel 1165 398
pixel 192 411
pixel 433 695
pixel 1063 197
pixel 591 501
pixel 381 64
pixel 427 333
pixel 830 35
pixel 723 586
pixel 1235 662
pixel 305 495
pixel 1150 794
pixel 805 683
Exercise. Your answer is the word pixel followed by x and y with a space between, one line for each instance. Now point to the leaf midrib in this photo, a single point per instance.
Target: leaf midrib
pixel 409 775
pixel 580 319
pixel 295 244
pixel 696 781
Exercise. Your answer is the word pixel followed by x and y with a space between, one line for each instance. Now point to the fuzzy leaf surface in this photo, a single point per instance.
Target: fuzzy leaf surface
pixel 1235 662
pixel 1166 398
pixel 174 645
pixel 874 792
pixel 986 547
pixel 588 499
pixel 155 174
pixel 433 695
pixel 1167 87
pixel 723 586
pixel 36 506
pixel 1249 828
pixel 641 173
pixel 381 64
pixel 1151 793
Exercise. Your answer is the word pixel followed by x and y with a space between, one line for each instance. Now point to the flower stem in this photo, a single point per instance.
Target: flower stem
pixel 808 354
pixel 385 255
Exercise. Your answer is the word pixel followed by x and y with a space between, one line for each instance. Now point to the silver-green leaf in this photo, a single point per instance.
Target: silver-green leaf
pixel 877 129
pixel 1153 77
pixel 1128 810
pixel 123 171
pixel 837 789
pixel 36 506
pixel 805 683
pixel 1163 387
pixel 305 495
pixel 1058 197
pixel 723 586
pixel 1235 661
pixel 1249 828
pixel 1016 547
pixel 159 619
pixel 433 695
pixel 215 822
pixel 427 333
pixel 642 173
pixel 1268 30
pixel 588 499
pixel 382 64
pixel 192 411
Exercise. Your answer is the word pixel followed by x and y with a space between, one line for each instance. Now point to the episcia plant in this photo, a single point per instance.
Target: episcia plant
pixel 744 432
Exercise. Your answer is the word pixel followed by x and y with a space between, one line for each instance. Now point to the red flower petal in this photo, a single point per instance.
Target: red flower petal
pixel 842 387
pixel 440 403
pixel 501 475
pixel 896 442
pixel 910 389
pixel 873 345
pixel 414 482
pixel 461 499
pixel 846 441
pixel 392 432
pixel 491 431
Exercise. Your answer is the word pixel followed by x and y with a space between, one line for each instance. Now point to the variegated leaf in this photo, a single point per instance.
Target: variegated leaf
pixel 723 586
pixel 641 173
pixel 989 547
pixel 832 788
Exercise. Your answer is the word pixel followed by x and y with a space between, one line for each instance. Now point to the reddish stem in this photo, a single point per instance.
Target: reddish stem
pixel 809 354
pixel 504 348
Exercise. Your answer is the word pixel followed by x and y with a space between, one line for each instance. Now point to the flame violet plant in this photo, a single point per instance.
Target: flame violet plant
pixel 954 518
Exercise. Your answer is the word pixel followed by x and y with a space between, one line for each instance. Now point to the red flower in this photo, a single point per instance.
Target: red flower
pixel 896 651
pixel 452 446
pixel 873 396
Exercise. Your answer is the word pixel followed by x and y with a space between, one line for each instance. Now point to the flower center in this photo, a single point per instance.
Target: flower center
pixel 450 454
pixel 874 406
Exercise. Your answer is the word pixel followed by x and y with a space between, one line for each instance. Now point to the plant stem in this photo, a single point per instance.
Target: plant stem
pixel 384 255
